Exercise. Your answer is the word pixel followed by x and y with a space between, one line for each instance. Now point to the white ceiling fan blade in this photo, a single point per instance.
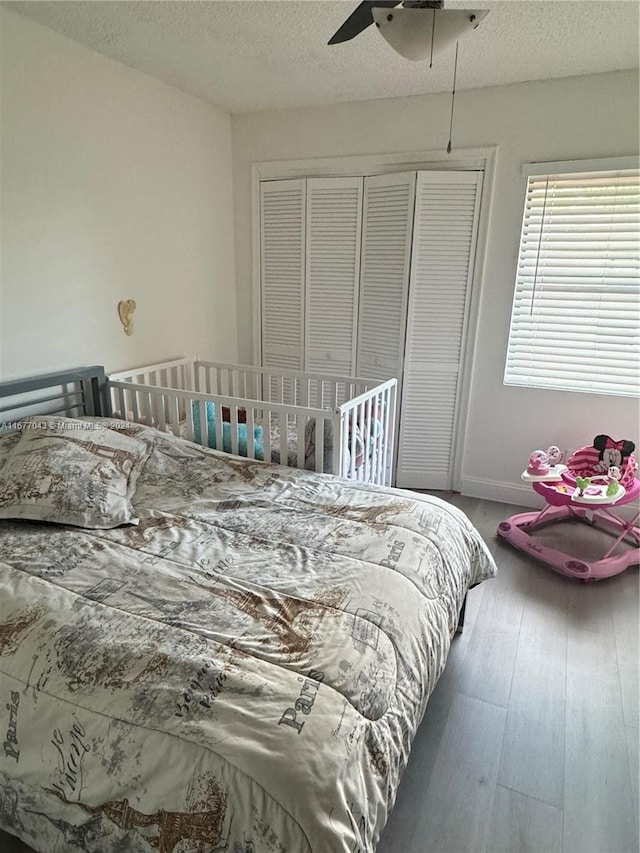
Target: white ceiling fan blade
pixel 408 31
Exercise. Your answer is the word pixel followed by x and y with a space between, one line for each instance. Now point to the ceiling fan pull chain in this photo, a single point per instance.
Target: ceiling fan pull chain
pixel 453 95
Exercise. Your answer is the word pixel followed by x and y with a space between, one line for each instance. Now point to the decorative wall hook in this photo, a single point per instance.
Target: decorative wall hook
pixel 125 312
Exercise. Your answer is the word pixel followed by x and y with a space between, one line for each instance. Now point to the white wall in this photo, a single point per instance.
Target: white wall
pixel 114 186
pixel 573 118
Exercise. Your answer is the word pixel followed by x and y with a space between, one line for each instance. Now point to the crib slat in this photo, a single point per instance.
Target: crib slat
pixel 362 423
pixel 204 429
pixel 188 419
pixel 252 452
pixel 353 434
pixel 118 403
pixel 342 460
pixel 382 439
pixel 157 404
pixel 233 429
pixel 174 415
pixel 319 445
pixel 300 442
pixel 368 435
pixel 145 408
pixel 266 434
pixel 388 432
pixel 284 442
pixel 374 439
pixel 377 454
pixel 219 441
pixel 135 407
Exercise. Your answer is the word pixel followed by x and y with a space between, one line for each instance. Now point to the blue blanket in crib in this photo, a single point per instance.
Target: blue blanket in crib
pixel 226 432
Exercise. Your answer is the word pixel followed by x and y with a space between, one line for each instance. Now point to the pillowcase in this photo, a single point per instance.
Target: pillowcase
pixel 226 432
pixel 69 471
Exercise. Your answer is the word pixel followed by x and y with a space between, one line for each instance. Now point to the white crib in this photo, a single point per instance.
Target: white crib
pixel 282 412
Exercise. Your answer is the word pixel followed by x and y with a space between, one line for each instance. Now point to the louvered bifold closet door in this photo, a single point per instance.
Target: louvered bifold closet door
pixel 384 274
pixel 444 241
pixel 334 221
pixel 282 241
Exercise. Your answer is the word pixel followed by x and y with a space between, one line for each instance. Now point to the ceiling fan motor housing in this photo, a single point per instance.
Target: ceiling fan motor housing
pixel 416 33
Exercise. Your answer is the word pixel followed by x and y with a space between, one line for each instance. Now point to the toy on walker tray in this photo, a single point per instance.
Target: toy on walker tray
pixel 594 479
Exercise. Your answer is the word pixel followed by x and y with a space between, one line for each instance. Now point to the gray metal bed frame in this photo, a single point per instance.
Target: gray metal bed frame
pixel 69 393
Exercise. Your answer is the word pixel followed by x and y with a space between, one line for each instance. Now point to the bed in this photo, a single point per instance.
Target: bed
pixel 319 422
pixel 238 665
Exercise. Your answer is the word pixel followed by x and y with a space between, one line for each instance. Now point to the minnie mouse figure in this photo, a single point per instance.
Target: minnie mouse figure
pixel 612 453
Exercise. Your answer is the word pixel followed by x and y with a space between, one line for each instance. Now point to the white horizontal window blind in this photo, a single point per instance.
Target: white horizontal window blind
pixel 575 324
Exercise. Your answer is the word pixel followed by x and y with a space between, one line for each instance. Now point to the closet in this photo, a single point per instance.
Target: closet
pixel 371 276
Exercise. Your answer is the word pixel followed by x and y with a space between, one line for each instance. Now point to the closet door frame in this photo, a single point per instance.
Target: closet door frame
pixel 483 159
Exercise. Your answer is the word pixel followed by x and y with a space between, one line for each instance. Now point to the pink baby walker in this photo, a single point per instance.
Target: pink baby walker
pixel 594 480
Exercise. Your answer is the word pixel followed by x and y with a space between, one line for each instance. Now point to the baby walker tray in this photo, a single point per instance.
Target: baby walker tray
pixel 594 480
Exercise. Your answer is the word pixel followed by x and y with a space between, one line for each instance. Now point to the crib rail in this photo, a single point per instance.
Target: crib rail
pixel 178 373
pixel 351 420
pixel 323 391
pixel 175 411
pixel 319 390
pixel 369 421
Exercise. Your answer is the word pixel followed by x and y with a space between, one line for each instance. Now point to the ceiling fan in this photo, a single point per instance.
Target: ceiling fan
pixel 416 29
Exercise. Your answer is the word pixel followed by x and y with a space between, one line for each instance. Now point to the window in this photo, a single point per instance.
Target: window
pixel 575 323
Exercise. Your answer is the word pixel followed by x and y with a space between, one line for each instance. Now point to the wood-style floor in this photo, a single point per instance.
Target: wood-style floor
pixel 530 740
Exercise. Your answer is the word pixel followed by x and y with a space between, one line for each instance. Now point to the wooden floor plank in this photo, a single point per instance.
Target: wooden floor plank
pixel 400 831
pixel 624 611
pixel 521 824
pixel 455 810
pixel 486 668
pixel 599 812
pixel 633 746
pixel 536 719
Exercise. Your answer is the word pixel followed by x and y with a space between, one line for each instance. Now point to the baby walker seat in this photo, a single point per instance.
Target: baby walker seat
pixel 594 480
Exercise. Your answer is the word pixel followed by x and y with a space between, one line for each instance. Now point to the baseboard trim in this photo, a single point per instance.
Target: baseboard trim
pixel 497 490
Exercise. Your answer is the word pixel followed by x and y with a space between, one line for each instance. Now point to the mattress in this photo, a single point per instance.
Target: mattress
pixel 243 671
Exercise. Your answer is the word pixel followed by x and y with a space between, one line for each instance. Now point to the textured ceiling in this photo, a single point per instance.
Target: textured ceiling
pixel 260 54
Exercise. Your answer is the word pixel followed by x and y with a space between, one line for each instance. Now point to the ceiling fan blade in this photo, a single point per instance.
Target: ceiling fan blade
pixel 359 20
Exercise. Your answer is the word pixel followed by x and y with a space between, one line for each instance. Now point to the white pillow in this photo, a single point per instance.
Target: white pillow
pixel 69 471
